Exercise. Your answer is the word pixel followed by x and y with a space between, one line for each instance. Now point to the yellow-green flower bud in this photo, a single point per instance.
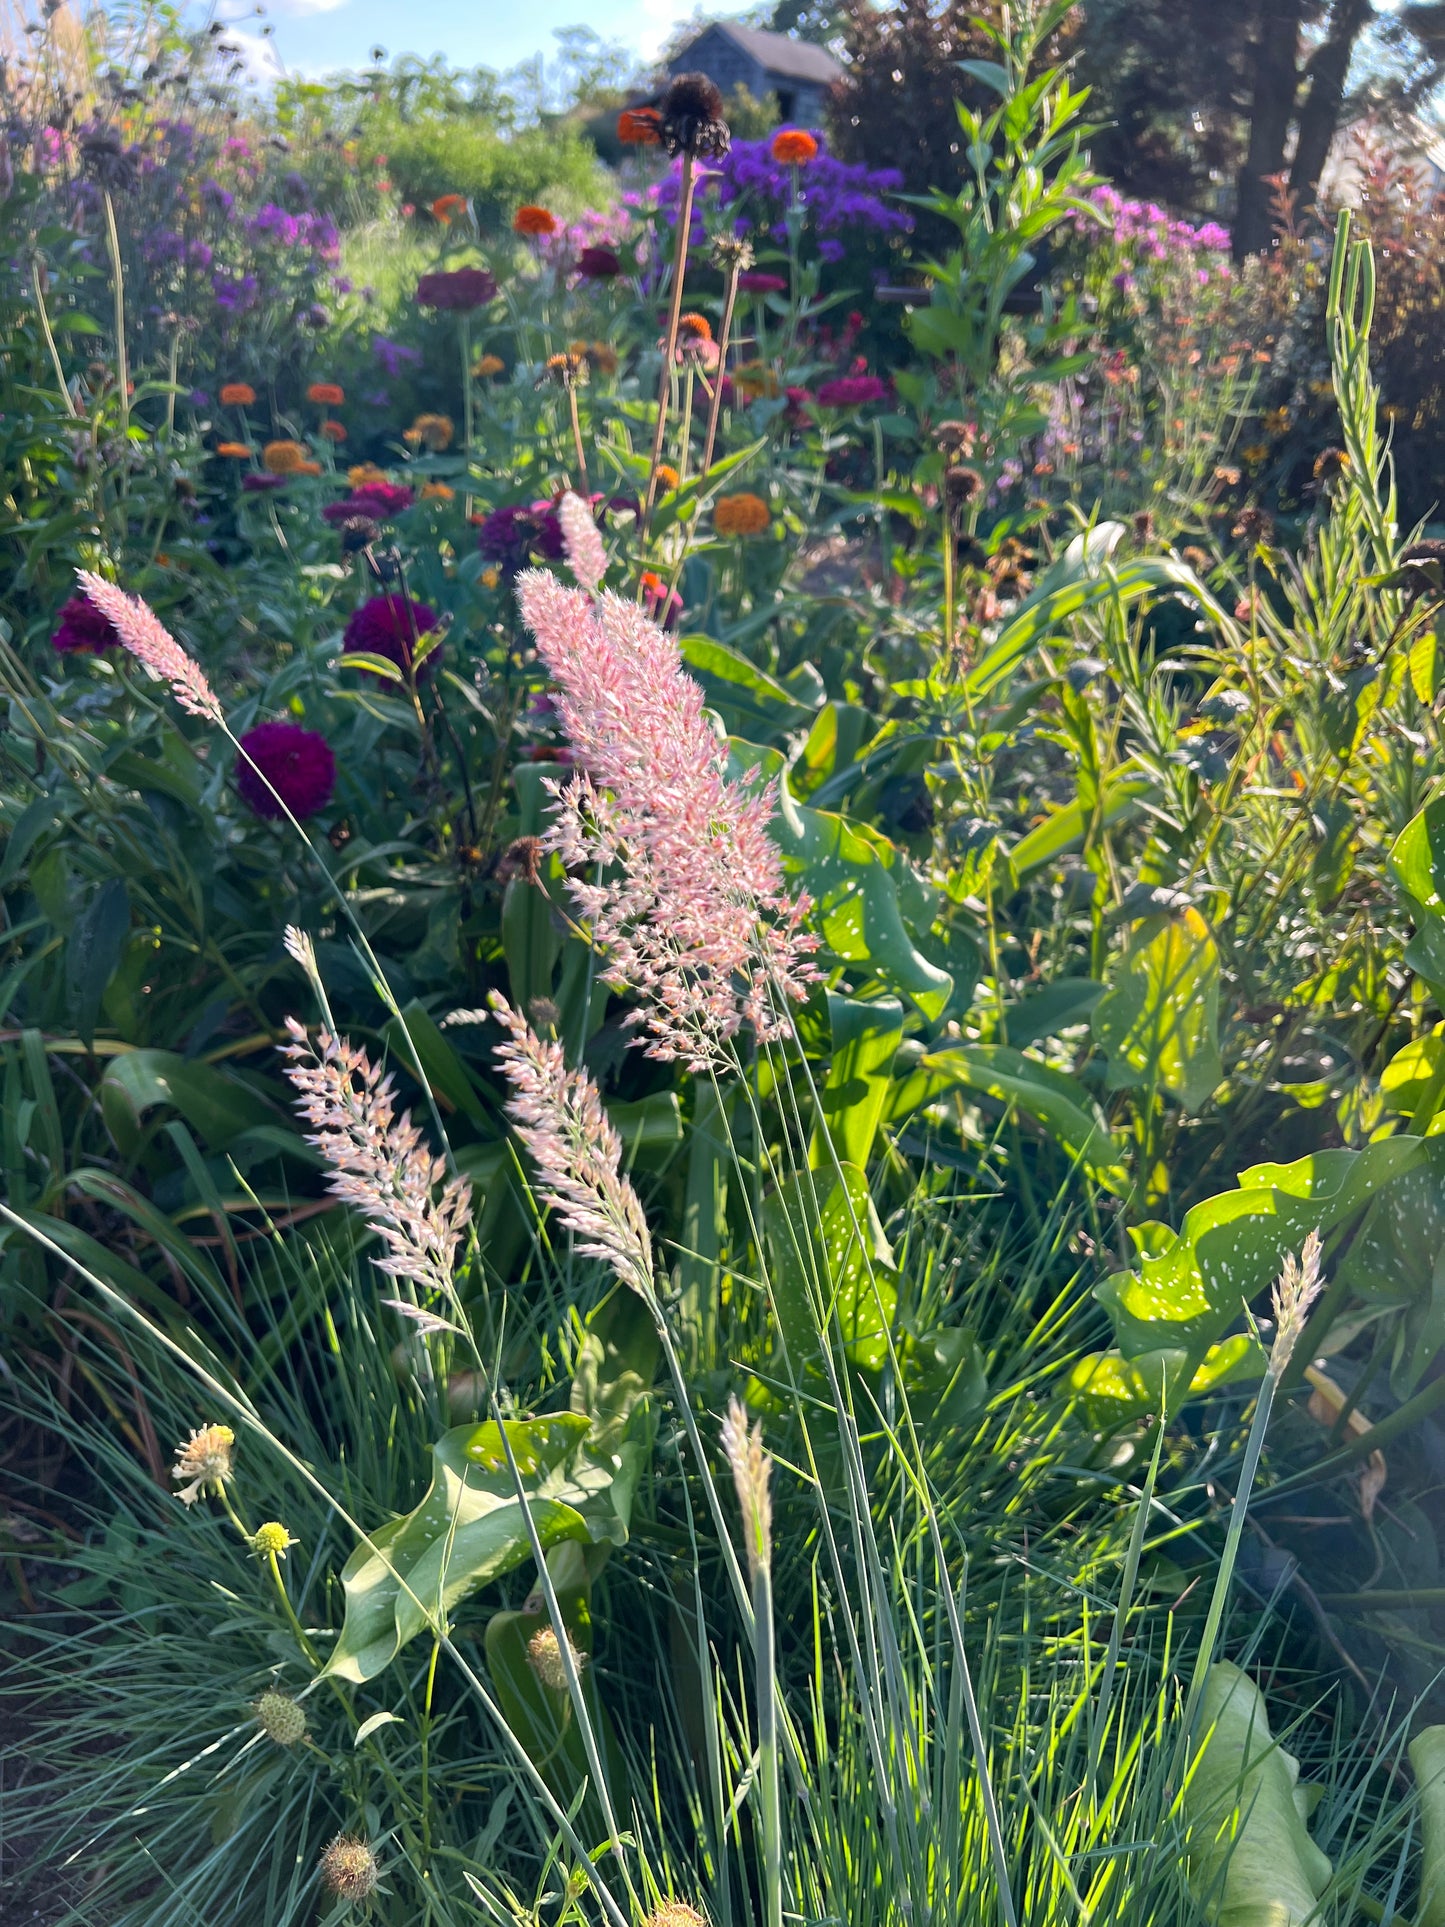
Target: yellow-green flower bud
pixel 280 1717
pixel 271 1540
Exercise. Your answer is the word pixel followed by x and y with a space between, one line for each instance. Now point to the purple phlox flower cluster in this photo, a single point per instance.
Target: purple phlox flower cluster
pixel 671 860
pixel 314 234
pixel 142 632
pixel 394 355
pixel 1152 232
pixel 380 1164
pixel 575 1147
pixel 840 197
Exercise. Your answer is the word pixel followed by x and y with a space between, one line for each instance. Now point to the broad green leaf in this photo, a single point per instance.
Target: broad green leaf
pixel 747 698
pixel 531 940
pixel 1397 1257
pixel 1158 1023
pixel 1427 1760
pixel 415 1040
pixel 1252 1862
pixel 92 952
pixel 218 1106
pixel 1192 1286
pixel 1112 1389
pixel 857 913
pixel 1065 828
pixel 830 1258
pixel 467 1531
pixel 1058 1006
pixel 1054 1100
pixel 1417 857
pixel 865 1037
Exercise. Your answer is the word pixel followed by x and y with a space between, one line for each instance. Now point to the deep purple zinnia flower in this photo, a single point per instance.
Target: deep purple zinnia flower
pixel 598 264
pixel 82 629
pixel 391 626
pixel 258 482
pixel 296 763
pixel 759 282
pixel 460 290
pixel 510 536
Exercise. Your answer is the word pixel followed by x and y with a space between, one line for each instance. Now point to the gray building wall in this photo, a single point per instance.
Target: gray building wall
pixel 719 57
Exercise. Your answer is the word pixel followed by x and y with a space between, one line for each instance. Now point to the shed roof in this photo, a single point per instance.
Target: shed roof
pixel 779 53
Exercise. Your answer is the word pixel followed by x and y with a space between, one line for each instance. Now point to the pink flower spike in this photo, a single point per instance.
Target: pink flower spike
pixel 576 1150
pixel 674 867
pixel 153 646
pixel 586 556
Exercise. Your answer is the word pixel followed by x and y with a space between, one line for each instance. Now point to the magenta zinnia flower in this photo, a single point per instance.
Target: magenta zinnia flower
pixel 509 536
pixel 295 763
pixel 391 626
pixel 851 391
pixel 691 908
pixel 80 629
pixel 460 290
pixel 757 282
pixel 377 501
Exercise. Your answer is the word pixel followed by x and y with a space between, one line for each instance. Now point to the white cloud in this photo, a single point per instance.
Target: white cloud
pixel 262 63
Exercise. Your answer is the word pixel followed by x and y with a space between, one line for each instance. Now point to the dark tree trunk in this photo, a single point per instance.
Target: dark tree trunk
pixel 1276 83
pixel 1320 114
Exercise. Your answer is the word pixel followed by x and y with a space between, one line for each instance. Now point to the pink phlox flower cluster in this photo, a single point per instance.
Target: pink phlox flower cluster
pixel 586 552
pixel 153 646
pixel 673 866
pixel 380 1163
pixel 575 1147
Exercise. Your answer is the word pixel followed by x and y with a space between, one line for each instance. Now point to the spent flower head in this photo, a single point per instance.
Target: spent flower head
pixel 544 1656
pixel 349 1869
pixel 204 1459
pixel 280 1717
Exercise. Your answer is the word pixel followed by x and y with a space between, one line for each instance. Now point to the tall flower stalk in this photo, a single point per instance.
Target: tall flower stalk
pixel 752 1476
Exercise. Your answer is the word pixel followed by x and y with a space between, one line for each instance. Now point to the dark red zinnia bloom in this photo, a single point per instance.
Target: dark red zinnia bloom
pixel 851 391
pixel 761 283
pixel 391 626
pixel 295 763
pixel 260 483
pixel 459 290
pixel 376 501
pixel 81 629
pixel 598 264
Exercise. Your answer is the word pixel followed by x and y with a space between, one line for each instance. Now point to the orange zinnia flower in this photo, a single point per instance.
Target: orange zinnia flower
pixel 308 468
pixel 435 430
pixel 793 147
pixel 363 473
pixel 534 220
pixel 284 458
pixel 740 515
pixel 489 365
pixel 326 394
pixel 447 205
pixel 437 492
pixel 334 431
pixel 638 127
pixel 237 394
pixel 234 451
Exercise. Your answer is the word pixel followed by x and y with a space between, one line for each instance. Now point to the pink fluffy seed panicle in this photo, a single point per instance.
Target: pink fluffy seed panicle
pixel 586 552
pixel 577 1152
pixel 153 646
pixel 690 907
pixel 379 1162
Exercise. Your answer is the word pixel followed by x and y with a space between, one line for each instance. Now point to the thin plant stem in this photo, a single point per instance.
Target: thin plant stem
pixel 765 1660
pixel 730 298
pixel 669 344
pixel 45 329
pixel 577 436
pixel 117 274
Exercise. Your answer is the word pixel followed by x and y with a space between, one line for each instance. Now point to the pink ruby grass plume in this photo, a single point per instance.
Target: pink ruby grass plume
pixel 671 861
pixel 146 637
pixel 582 542
pixel 576 1150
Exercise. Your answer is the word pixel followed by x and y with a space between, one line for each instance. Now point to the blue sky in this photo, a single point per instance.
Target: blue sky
pixel 315 36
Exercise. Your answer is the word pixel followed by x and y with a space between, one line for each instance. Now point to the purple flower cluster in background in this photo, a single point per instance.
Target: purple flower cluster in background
pixel 316 234
pixel 1147 235
pixel 839 197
